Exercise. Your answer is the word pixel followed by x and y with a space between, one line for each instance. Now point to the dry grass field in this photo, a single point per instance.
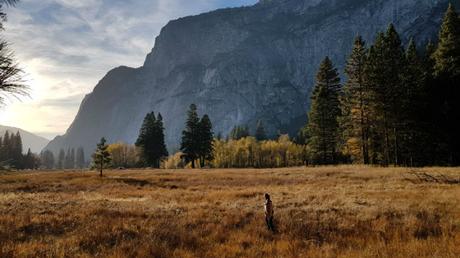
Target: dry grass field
pixel 320 212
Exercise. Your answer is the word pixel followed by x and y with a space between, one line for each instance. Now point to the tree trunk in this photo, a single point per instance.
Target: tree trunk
pixel 193 163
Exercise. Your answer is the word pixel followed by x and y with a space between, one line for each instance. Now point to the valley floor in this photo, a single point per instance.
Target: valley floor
pixel 346 211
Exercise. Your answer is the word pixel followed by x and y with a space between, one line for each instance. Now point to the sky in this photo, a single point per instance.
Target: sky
pixel 67 46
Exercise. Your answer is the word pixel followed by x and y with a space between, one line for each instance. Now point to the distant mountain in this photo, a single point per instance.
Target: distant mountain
pixel 240 65
pixel 34 142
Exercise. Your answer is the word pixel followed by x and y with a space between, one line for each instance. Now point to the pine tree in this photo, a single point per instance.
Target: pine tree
pixel 80 158
pixel 435 147
pixel 206 140
pixel 323 125
pixel 447 55
pixel 29 160
pixel 447 79
pixel 61 159
pixel 47 159
pixel 7 140
pixel 384 72
pixel 356 106
pixel 68 160
pixel 101 158
pixel 162 151
pixel 16 151
pixel 260 131
pixel 72 158
pixel 151 140
pixel 239 132
pixel 190 136
pixel 415 133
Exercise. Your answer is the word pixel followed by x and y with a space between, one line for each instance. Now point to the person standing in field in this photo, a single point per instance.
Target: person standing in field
pixel 269 212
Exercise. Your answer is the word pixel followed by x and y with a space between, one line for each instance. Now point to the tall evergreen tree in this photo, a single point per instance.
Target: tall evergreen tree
pixel 29 160
pixel 151 140
pixel 69 161
pixel 16 151
pixel 356 104
pixel 61 159
pixel 323 125
pixel 80 158
pixel 447 79
pixel 447 55
pixel 435 147
pixel 72 158
pixel 415 133
pixel 47 159
pixel 385 71
pixel 239 132
pixel 190 136
pixel 206 140
pixel 101 158
pixel 5 148
pixel 260 131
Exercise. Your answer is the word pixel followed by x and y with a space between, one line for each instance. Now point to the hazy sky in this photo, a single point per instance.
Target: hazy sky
pixel 67 46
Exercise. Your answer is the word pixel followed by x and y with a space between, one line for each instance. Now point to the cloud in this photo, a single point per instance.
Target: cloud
pixel 67 46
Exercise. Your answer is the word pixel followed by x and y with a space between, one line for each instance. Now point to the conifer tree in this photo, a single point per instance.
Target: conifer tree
pixel 384 71
pixel 151 140
pixel 206 140
pixel 6 147
pixel 61 159
pixel 414 109
pixel 190 136
pixel 72 158
pixel 80 158
pixel 447 78
pixel 101 158
pixel 29 160
pixel 68 161
pixel 356 106
pixel 260 131
pixel 239 132
pixel 47 159
pixel 323 125
pixel 16 151
pixel 447 55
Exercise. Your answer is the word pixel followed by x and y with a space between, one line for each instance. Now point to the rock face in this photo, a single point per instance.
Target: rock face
pixel 240 65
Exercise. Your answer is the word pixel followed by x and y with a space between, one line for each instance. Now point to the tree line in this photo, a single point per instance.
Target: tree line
pixel 399 106
pixel 11 153
pixel 70 159
pixel 150 147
